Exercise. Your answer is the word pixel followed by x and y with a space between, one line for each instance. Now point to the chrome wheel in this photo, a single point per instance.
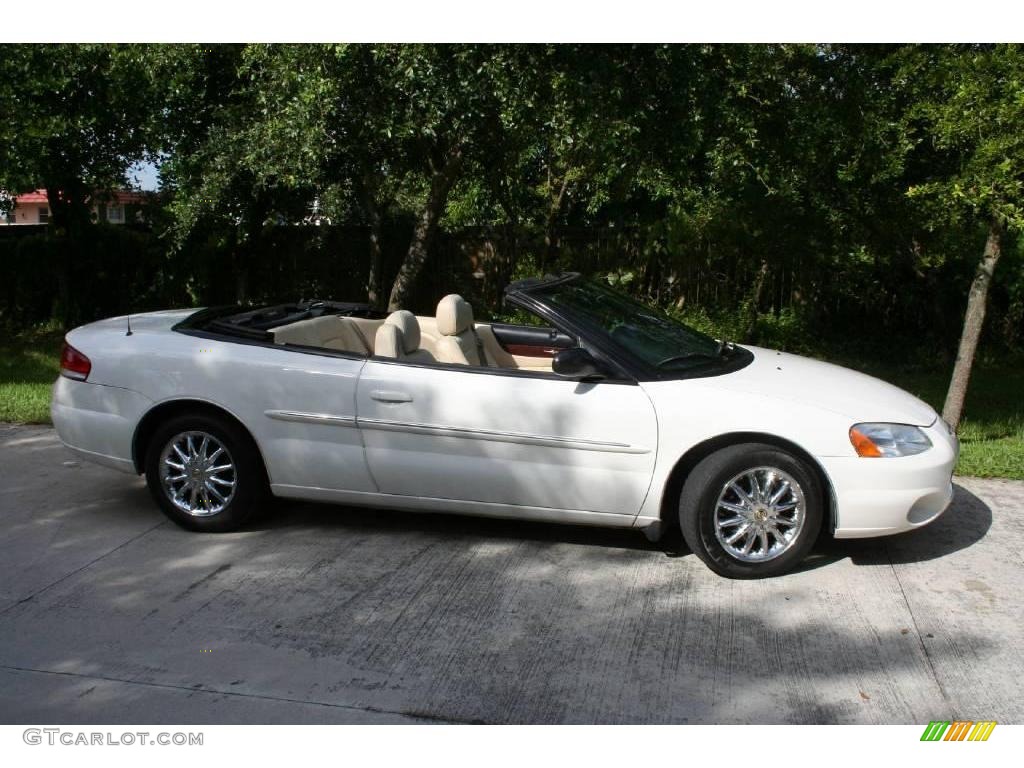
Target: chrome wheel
pixel 759 514
pixel 197 473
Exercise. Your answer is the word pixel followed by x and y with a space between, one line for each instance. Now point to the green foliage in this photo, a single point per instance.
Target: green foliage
pixel 74 116
pixel 966 115
pixel 862 177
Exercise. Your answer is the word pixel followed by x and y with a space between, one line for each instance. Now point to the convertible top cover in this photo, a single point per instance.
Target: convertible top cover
pixel 256 323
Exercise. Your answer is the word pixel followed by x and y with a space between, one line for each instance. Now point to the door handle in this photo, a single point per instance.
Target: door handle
pixel 390 396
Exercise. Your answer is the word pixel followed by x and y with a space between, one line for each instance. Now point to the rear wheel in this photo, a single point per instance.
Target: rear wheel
pixel 751 510
pixel 205 473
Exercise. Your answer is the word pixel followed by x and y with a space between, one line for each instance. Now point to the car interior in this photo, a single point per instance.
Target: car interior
pixel 450 337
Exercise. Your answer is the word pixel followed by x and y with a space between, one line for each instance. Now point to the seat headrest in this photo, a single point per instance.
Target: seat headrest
pixel 387 342
pixel 454 315
pixel 406 322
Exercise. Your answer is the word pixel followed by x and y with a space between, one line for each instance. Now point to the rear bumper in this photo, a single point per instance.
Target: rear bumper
pixel 96 421
pixel 880 497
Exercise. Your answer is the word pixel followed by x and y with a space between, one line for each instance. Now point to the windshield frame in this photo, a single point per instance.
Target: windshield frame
pixel 534 295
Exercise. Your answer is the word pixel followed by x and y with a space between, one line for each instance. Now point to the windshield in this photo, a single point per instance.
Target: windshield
pixel 647 332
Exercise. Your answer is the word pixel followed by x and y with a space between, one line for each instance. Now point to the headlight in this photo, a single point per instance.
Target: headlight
pixel 878 440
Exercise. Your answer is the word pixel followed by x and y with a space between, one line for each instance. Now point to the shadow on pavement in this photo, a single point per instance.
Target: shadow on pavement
pixel 965 522
pixel 299 514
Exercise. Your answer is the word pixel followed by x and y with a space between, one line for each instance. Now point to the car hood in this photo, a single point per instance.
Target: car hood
pixel 860 397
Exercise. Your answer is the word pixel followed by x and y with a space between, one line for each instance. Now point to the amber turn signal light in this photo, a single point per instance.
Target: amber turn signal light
pixel 863 445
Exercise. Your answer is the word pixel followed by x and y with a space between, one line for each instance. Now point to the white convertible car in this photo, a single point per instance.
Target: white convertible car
pixel 606 412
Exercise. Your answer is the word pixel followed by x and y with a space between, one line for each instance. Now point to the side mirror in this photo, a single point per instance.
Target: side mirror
pixel 577 363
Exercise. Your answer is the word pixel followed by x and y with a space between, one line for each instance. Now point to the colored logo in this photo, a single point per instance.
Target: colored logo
pixel 958 730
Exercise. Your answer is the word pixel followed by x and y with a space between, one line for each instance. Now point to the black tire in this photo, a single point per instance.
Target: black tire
pixel 700 496
pixel 250 490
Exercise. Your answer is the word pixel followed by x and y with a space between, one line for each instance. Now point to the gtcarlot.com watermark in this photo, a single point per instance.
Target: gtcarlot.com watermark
pixel 69 738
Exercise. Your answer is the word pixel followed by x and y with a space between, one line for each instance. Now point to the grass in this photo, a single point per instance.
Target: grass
pixel 991 433
pixel 992 428
pixel 29 363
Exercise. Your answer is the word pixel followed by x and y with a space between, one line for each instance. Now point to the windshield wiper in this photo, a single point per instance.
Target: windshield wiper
pixel 725 348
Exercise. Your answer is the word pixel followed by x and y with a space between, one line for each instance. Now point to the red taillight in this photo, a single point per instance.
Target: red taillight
pixel 73 363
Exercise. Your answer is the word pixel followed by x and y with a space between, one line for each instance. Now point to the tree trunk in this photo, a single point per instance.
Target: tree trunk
pixel 241 283
pixel 376 254
pixel 69 216
pixel 755 302
pixel 441 182
pixel 973 320
pixel 247 251
pixel 367 192
pixel 242 252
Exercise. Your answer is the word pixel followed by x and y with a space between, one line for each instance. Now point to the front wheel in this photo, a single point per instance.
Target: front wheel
pixel 205 473
pixel 751 510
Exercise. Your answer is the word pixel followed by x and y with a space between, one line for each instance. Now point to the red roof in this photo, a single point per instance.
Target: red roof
pixel 38 196
pixel 123 196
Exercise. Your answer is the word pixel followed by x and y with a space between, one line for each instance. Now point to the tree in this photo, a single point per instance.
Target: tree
pixel 372 127
pixel 324 128
pixel 839 181
pixel 443 107
pixel 968 109
pixel 74 125
pixel 212 157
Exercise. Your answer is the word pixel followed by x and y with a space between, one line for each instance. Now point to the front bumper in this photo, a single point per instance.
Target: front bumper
pixel 879 497
pixel 96 421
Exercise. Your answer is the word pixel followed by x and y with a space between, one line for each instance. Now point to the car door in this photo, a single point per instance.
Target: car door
pixel 300 406
pixel 506 437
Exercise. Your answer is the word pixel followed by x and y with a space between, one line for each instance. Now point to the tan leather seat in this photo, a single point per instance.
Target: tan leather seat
pixel 399 338
pixel 457 342
pixel 328 332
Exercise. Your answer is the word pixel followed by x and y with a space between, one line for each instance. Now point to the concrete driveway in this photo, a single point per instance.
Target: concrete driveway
pixel 110 614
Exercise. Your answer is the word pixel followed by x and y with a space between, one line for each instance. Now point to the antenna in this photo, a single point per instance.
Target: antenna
pixel 128 318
